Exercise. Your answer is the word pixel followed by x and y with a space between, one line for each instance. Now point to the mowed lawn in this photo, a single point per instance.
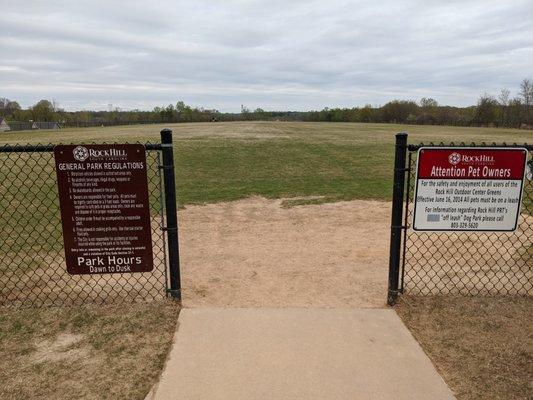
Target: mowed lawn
pixel 228 161
pixel 117 351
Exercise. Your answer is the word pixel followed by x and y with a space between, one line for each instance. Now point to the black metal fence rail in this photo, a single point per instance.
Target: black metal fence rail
pixel 32 263
pixel 463 263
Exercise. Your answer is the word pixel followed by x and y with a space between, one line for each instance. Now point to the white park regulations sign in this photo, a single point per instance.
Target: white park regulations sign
pixel 468 188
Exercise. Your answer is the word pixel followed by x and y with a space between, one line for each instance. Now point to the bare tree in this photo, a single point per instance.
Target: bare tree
pixel 503 98
pixel 526 92
pixel 503 101
pixel 428 103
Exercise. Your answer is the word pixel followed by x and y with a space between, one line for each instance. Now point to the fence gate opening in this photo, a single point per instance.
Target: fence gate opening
pixel 33 268
pixel 462 219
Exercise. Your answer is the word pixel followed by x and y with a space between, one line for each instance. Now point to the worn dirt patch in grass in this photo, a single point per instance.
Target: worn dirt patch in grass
pixel 84 352
pixel 290 252
pixel 261 253
pixel 482 346
pixel 65 346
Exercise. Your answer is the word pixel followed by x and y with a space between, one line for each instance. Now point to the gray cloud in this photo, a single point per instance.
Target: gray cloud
pixel 272 54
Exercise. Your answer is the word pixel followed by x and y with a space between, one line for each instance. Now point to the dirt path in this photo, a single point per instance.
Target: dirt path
pixel 255 253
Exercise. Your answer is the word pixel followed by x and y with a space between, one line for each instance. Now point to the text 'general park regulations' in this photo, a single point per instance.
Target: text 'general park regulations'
pixel 105 212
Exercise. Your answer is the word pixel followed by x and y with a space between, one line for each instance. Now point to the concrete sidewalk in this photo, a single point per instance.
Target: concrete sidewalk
pixel 308 354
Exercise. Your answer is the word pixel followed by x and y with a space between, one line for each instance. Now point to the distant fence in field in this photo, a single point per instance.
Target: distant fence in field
pixel 462 263
pixel 37 125
pixel 33 125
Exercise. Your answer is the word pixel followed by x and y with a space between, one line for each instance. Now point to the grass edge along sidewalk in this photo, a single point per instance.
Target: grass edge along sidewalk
pixel 482 346
pixel 84 352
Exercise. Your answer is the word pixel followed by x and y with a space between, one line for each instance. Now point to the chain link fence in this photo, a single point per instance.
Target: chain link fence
pixel 32 259
pixel 467 263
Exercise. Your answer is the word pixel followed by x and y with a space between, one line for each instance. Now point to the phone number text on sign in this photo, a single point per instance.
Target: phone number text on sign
pixel 468 188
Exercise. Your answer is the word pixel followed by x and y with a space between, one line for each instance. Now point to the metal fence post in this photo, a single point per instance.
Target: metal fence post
pixel 171 213
pixel 396 219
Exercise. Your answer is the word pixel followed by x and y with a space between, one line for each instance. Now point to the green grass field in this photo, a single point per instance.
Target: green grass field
pixel 228 161
pixel 118 350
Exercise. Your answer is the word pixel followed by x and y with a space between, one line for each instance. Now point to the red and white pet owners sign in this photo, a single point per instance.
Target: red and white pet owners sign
pixel 468 188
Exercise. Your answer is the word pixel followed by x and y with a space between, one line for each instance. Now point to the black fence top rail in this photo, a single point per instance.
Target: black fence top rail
pixel 415 147
pixel 45 148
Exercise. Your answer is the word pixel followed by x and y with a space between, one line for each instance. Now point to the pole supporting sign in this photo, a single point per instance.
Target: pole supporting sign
pixel 468 188
pixel 105 212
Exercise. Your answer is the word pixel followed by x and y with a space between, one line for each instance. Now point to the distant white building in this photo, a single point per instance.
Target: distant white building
pixel 4 127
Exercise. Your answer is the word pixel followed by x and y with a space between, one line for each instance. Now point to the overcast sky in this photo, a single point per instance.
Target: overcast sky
pixel 274 54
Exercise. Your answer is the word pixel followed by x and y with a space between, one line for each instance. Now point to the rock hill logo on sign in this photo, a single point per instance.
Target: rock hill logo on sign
pixel 80 153
pixel 105 213
pixel 454 158
pixel 468 189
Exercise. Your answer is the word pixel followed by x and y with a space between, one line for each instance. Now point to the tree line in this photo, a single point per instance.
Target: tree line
pixel 497 111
